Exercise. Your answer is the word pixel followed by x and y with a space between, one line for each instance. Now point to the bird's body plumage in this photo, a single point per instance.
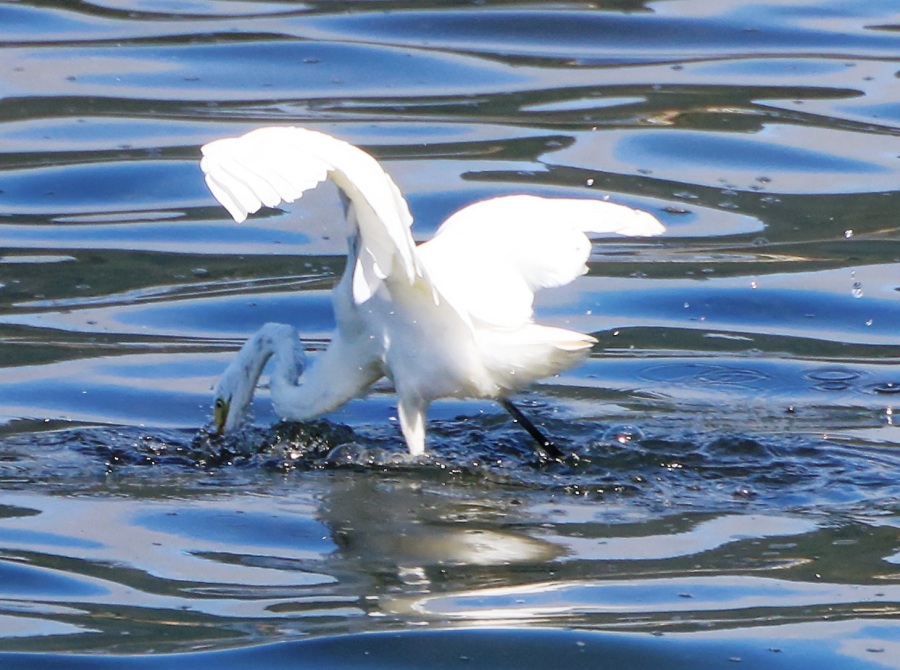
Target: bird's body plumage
pixel 451 317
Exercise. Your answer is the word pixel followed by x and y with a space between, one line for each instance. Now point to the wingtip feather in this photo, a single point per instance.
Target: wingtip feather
pixel 226 198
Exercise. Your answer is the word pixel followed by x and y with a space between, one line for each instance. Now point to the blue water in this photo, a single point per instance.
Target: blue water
pixel 731 495
pixel 488 649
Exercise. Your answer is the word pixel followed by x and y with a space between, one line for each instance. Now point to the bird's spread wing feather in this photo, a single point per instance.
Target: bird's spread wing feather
pixel 278 164
pixel 489 258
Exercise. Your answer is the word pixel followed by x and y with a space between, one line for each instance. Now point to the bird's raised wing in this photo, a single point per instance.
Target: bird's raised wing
pixel 489 258
pixel 268 166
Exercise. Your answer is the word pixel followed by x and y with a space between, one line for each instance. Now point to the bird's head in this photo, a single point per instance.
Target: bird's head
pixel 221 409
pixel 232 396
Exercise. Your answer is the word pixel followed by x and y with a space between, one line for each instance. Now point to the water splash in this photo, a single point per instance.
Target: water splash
pixel 647 463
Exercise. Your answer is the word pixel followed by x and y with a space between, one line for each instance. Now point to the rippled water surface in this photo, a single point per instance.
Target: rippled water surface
pixel 731 498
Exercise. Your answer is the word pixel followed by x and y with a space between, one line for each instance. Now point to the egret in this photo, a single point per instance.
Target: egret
pixel 452 317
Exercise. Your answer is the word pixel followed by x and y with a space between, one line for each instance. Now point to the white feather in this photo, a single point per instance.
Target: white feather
pixel 452 317
pixel 273 165
pixel 490 257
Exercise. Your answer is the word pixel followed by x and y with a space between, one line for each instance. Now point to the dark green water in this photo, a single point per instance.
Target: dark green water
pixel 734 502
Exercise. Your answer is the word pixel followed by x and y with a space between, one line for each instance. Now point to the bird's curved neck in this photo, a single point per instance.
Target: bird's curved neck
pixel 280 343
pixel 339 374
pixel 298 391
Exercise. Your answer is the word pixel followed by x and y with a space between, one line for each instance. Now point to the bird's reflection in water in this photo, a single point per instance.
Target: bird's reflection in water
pixel 416 537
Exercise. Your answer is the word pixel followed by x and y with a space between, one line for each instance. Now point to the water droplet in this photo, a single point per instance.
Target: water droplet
pixel 857 289
pixel 754 285
pixel 848 234
pixel 623 434
pixel 869 322
pixel 589 182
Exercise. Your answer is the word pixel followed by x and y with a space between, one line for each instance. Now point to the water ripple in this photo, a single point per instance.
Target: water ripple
pixel 732 478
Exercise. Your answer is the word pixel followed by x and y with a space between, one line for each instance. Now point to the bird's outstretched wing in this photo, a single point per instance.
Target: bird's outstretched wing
pixel 271 165
pixel 489 258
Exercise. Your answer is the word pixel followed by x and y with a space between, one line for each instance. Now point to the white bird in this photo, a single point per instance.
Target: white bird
pixel 452 317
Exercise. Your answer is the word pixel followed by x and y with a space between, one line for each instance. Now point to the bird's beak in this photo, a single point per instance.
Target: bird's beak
pixel 220 415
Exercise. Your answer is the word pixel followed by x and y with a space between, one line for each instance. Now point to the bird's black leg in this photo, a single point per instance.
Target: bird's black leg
pixel 545 448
